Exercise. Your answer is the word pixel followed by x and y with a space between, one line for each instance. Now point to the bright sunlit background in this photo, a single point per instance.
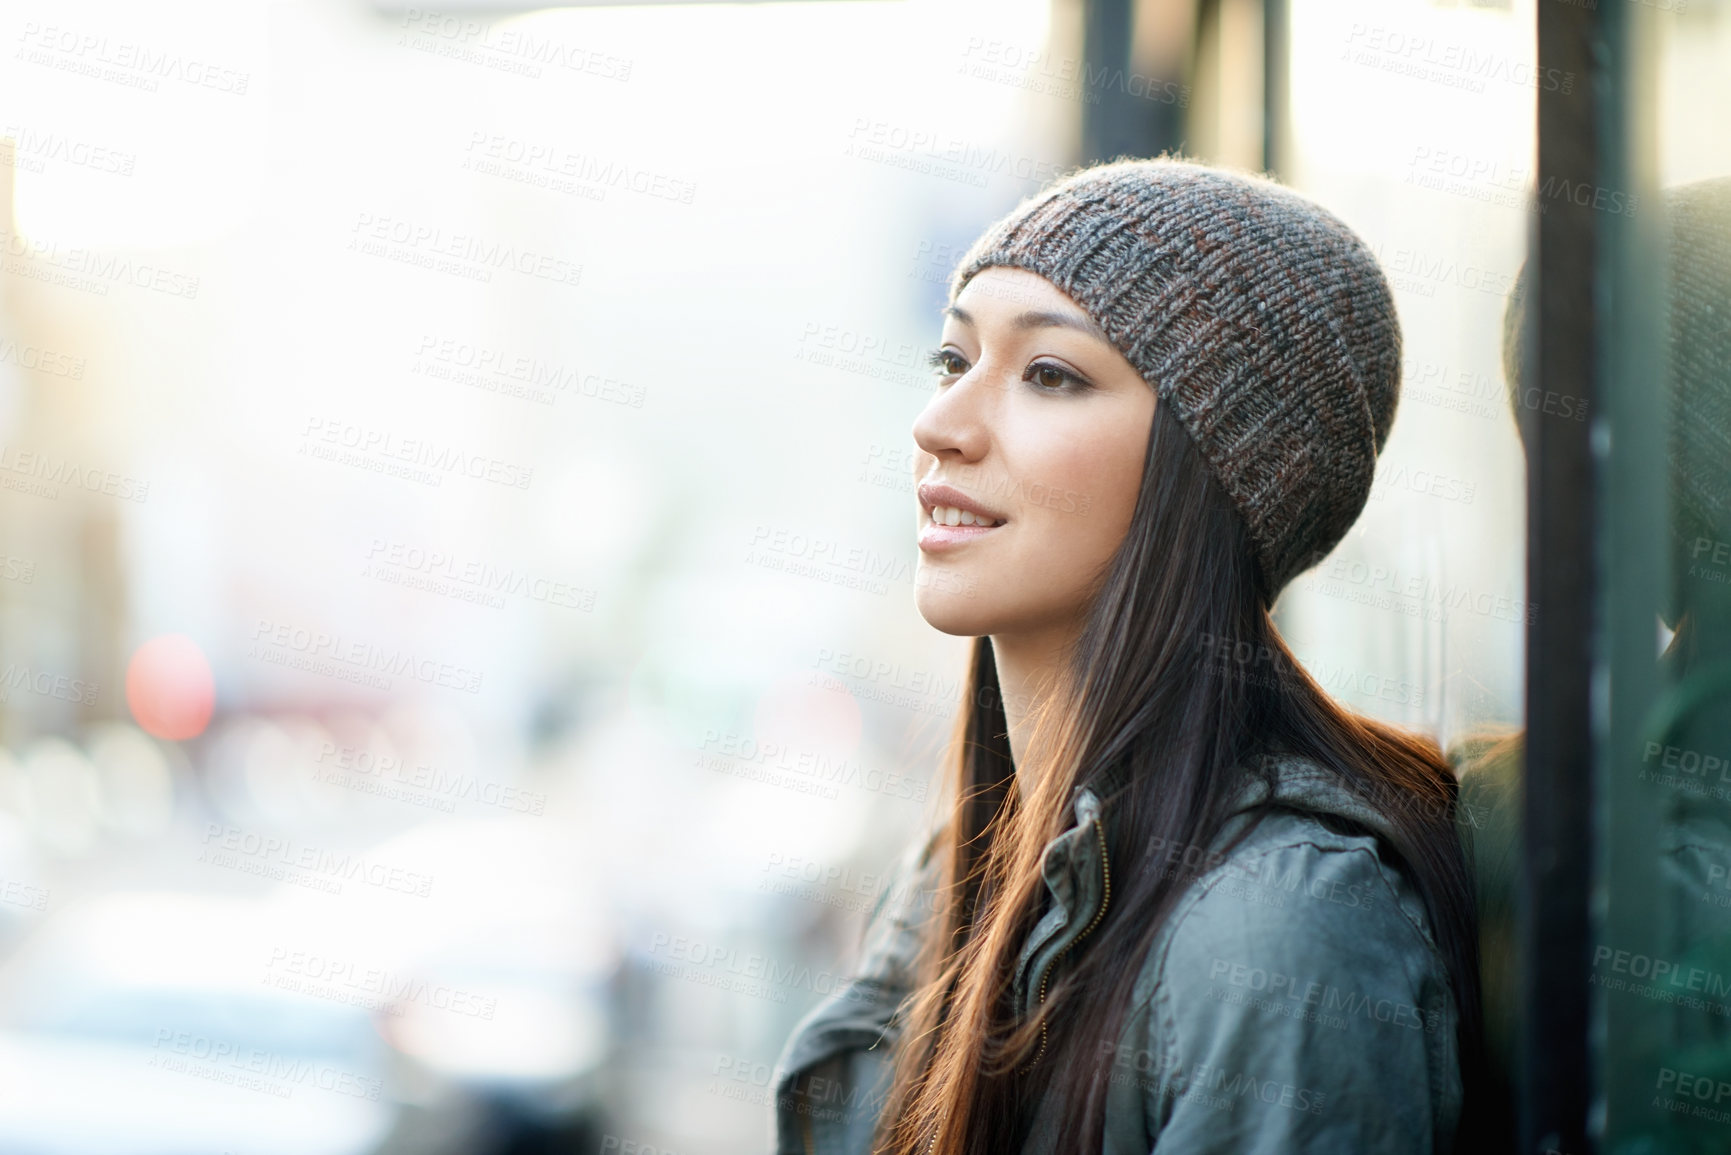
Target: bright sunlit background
pixel 444 706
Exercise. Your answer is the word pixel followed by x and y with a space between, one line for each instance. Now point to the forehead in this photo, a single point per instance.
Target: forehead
pixel 1004 290
pixel 1015 301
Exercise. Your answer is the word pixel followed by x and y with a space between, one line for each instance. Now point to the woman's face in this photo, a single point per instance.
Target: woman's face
pixel 1038 429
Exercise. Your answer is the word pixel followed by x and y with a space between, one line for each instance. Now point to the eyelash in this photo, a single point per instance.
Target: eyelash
pixel 939 361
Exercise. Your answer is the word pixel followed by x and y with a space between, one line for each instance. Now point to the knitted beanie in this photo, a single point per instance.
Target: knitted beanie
pixel 1261 319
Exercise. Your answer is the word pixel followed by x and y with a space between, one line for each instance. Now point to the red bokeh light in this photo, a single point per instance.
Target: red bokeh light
pixel 169 688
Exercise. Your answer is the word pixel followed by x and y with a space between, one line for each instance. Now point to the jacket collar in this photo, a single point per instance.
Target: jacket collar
pixel 1076 872
pixel 1299 783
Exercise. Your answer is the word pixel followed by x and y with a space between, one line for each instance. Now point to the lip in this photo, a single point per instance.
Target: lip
pixel 935 537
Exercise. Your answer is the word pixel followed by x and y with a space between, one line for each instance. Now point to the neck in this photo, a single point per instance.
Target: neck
pixel 1028 666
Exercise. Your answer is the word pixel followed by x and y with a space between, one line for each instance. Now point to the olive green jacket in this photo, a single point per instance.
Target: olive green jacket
pixel 1295 1001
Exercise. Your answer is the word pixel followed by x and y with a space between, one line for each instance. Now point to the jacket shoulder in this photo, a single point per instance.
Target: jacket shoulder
pixel 1296 1000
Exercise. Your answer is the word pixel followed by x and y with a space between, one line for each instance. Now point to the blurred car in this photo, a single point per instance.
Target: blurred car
pixel 143 1024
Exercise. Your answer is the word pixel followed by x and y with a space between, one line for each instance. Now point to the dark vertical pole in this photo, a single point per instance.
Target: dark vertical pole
pixel 1556 939
pixel 1124 111
pixel 1106 29
pixel 1634 1037
pixel 1276 80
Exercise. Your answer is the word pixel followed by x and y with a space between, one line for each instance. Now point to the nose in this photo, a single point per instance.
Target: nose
pixel 955 424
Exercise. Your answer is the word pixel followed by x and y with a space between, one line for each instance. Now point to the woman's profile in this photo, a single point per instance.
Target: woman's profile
pixel 1182 900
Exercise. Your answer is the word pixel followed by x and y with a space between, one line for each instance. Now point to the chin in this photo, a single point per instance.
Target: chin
pixel 950 609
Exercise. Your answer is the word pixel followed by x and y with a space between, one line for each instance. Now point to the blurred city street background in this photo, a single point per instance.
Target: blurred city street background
pixel 460 685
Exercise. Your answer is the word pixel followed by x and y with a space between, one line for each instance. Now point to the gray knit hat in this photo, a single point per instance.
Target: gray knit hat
pixel 1261 319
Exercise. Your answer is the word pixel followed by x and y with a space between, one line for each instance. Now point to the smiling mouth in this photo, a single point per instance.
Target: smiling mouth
pixel 949 515
pixel 939 534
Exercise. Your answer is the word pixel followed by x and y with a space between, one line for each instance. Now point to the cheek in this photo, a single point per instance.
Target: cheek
pixel 1081 497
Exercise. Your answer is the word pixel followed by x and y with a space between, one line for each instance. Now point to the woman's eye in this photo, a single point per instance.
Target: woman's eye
pixel 948 363
pixel 1052 377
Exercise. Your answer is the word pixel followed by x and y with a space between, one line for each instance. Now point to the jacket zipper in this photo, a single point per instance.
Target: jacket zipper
pixel 805 1132
pixel 1105 898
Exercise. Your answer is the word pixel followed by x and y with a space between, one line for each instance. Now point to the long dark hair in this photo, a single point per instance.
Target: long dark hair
pixel 1177 683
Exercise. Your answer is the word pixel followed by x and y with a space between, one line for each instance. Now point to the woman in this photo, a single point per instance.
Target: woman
pixel 1184 902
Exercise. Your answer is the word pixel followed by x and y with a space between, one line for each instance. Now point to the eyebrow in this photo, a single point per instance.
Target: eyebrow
pixel 1038 319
